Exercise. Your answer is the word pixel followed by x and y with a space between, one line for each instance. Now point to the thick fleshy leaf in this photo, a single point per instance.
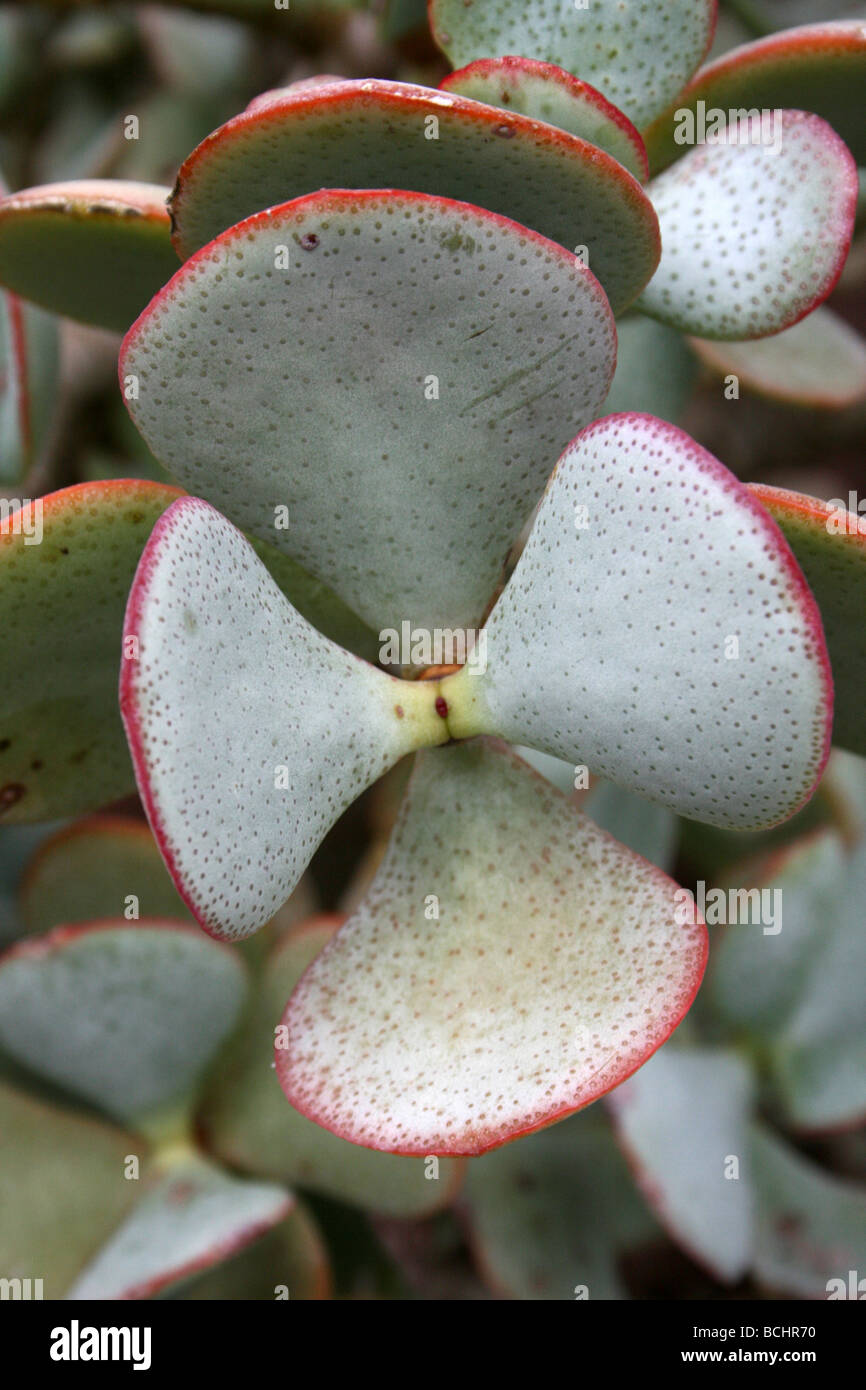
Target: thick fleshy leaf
pixel 376 134
pixel 811 1230
pixel 520 963
pixel 683 1121
pixel 62 1189
pixel 550 1214
pixel 95 249
pixel 819 67
pixel 467 352
pixel 125 1015
pixel 798 990
pixel 108 866
pixel 657 629
pixel 218 648
pixel 830 546
pixel 544 92
pixel 754 234
pixel 820 362
pixel 638 55
pixel 655 370
pixel 191 1218
pixel 17 844
pixel 651 831
pixel 288 1261
pixel 62 749
pixel 249 1124
pixel 29 372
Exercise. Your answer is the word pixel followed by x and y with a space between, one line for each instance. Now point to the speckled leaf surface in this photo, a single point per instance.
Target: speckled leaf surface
pixel 545 92
pixel 190 1219
pixel 549 1215
pixel 682 1119
pixel 292 1255
pixel 798 993
pixel 655 370
pixel 811 1226
pixel 95 250
pixel 106 866
pixel 657 630
pixel 553 969
pixel 377 134
pixel 830 546
pixel 220 650
pixel 818 67
pixel 438 360
pixel 249 1124
pixel 639 54
pixel 125 1015
pixel 62 749
pixel 62 1189
pixel 754 235
pixel 819 362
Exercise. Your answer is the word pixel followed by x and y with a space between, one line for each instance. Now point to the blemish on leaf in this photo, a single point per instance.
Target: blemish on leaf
pixel 10 794
pixel 441 707
pixel 506 131
pixel 399 711
pixel 308 242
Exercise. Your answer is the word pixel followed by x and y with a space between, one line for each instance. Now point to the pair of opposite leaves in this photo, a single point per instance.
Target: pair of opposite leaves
pixel 656 628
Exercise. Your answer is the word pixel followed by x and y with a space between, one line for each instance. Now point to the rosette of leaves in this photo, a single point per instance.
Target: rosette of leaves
pixel 106 1192
pixel 243 389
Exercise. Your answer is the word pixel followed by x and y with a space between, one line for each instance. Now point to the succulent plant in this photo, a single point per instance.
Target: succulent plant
pixel 370 353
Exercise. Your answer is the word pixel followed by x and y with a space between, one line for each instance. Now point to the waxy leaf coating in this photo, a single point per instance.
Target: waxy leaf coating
pixel 657 629
pixel 637 52
pixel 829 543
pixel 250 731
pixel 248 1124
pixel 393 135
pixel 95 250
pixel 681 1119
pixel 820 362
pixel 377 384
pixel 190 1218
pixel 66 564
pixel 544 92
pixel 754 234
pixel 122 1014
pixel 509 964
pixel 818 67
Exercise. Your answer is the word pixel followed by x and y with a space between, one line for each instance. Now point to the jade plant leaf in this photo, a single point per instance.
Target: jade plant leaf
pixel 93 249
pixel 377 134
pixel 291 1255
pixel 811 1225
pixel 105 866
pixel 396 437
pixel 498 1000
pixel 247 1123
pixel 683 1121
pixel 797 993
pixel 819 362
pixel 191 1218
pixel 29 372
pixel 549 1215
pixel 655 370
pixel 738 266
pixel 829 543
pixel 66 564
pixel 639 55
pixel 544 92
pixel 125 1015
pixel 657 629
pixel 215 646
pixel 819 67
pixel 62 1189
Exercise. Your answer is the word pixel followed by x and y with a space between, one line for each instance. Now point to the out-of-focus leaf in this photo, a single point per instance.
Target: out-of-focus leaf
pixel 290 1261
pixel 125 1015
pixel 820 362
pixel 655 370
